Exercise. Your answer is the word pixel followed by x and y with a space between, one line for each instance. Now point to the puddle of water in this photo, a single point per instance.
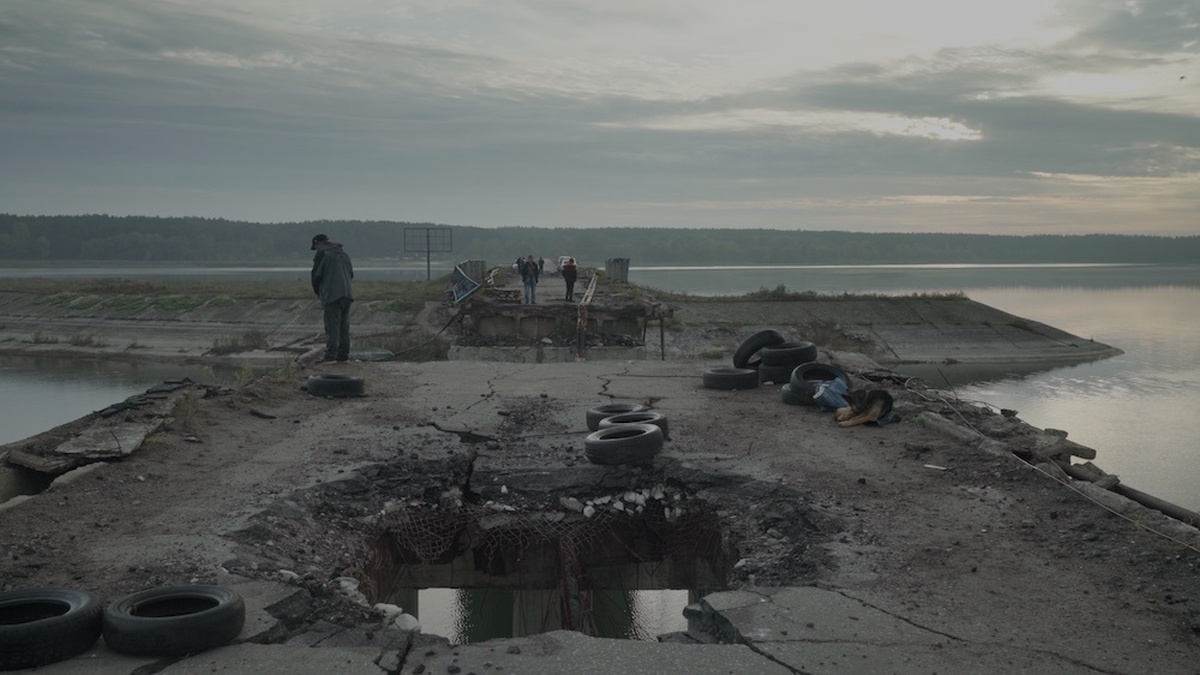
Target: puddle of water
pixel 478 575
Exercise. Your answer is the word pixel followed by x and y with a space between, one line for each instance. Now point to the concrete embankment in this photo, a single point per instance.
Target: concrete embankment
pixel 892 331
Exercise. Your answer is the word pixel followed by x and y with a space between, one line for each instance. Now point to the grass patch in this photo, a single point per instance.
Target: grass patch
pixel 40 338
pixel 228 290
pixel 86 341
pixel 125 303
pixel 251 339
pixel 177 303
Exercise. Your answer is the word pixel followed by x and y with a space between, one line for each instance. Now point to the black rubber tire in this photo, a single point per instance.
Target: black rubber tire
pixel 337 386
pixel 644 417
pixel 594 415
pixel 173 621
pixel 790 397
pixel 774 374
pixel 788 354
pixel 743 356
pixel 624 444
pixel 40 626
pixel 806 377
pixel 730 378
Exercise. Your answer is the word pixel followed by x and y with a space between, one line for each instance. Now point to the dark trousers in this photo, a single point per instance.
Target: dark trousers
pixel 337 329
pixel 570 288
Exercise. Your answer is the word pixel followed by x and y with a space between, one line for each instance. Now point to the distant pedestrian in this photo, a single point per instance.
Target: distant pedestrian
pixel 541 265
pixel 331 275
pixel 570 273
pixel 529 275
pixel 520 266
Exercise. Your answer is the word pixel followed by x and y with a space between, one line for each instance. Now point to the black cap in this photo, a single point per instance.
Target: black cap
pixel 318 239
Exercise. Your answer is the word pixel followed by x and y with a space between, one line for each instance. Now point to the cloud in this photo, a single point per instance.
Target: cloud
pixel 776 114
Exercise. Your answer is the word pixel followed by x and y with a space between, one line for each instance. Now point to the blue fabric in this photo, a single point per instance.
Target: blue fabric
pixel 830 394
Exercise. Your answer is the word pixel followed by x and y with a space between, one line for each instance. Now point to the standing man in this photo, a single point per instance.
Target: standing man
pixel 331 275
pixel 530 276
pixel 570 272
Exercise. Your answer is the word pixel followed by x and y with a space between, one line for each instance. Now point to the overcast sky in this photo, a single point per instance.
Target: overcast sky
pixel 1013 116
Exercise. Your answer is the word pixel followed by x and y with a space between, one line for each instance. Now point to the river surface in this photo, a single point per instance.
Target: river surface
pixel 1136 409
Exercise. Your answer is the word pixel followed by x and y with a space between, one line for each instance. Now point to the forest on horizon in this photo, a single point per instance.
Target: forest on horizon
pixel 147 239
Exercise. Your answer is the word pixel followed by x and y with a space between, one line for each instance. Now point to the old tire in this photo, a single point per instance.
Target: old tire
pixel 594 415
pixel 644 417
pixel 730 378
pixel 788 354
pixel 173 621
pixel 806 377
pixel 774 374
pixel 46 625
pixel 790 397
pixel 335 385
pixel 624 444
pixel 743 356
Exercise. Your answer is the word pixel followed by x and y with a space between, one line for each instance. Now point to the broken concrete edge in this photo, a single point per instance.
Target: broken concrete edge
pixel 1169 519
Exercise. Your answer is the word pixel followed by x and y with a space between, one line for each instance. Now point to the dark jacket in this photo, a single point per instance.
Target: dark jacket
pixel 331 274
pixel 530 271
pixel 570 272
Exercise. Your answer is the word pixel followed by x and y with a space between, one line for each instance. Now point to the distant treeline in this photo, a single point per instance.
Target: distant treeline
pixel 209 240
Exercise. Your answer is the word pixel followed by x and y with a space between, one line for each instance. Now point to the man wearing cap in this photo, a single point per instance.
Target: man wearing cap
pixel 331 275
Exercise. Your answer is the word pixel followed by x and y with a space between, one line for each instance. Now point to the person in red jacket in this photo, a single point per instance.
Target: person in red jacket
pixel 570 273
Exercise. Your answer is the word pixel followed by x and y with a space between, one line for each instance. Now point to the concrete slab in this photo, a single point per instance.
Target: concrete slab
pixel 578 654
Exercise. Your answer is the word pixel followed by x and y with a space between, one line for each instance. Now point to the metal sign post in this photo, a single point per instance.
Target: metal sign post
pixel 430 240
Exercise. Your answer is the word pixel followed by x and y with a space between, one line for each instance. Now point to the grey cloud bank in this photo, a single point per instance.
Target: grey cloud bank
pixel 1079 117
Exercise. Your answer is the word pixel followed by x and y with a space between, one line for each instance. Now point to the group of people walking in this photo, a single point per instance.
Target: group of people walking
pixel 531 273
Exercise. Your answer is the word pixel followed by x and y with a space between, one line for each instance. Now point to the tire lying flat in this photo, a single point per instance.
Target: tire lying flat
pixel 46 625
pixel 788 354
pixel 335 385
pixel 730 378
pixel 173 621
pixel 624 444
pixel 594 415
pixel 643 417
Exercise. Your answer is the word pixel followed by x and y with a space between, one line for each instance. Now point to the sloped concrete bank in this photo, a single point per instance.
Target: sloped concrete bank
pixel 892 331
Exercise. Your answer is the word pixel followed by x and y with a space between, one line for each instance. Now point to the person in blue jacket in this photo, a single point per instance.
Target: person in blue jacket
pixel 332 273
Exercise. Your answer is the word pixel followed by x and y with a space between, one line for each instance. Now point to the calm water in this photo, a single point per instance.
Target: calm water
pixel 1134 409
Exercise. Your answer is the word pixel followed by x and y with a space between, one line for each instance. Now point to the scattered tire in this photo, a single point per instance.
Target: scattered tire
pixel 173 621
pixel 594 415
pixel 644 417
pixel 790 396
pixel 46 625
pixel 788 354
pixel 806 377
pixel 774 374
pixel 624 444
pixel 730 378
pixel 743 355
pixel 335 385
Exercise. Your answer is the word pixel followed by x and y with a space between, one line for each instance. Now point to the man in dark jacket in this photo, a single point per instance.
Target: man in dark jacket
pixel 570 272
pixel 331 275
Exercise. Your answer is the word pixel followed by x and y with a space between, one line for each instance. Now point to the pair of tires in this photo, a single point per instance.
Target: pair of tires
pixel 43 626
pixel 624 433
pixel 772 356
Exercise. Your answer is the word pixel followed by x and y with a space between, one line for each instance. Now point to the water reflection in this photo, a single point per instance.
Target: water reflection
pixel 41 393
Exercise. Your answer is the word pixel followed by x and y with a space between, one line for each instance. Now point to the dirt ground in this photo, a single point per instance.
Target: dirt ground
pixel 930 519
pixel 269 482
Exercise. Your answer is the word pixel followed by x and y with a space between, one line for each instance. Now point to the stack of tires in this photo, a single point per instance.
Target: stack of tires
pixel 43 626
pixel 624 433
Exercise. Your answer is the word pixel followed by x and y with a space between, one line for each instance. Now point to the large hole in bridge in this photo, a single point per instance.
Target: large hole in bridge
pixel 478 573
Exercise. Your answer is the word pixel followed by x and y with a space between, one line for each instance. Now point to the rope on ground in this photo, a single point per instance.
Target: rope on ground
pixel 415 347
